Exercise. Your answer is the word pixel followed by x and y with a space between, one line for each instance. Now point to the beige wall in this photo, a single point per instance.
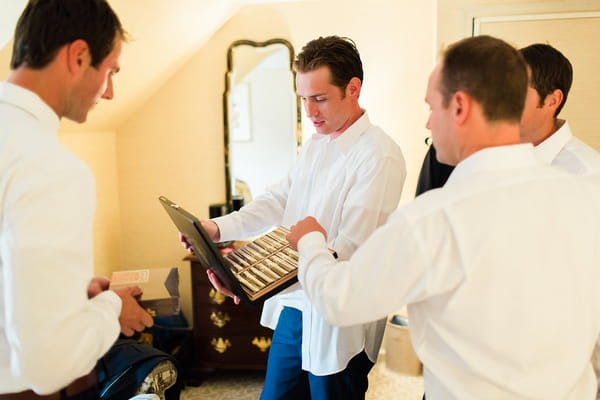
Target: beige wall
pixel 97 150
pixel 571 36
pixel 173 145
pixel 455 16
pixel 584 97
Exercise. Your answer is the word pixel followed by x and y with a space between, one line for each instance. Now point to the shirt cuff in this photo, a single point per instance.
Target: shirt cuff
pixel 312 251
pixel 227 228
pixel 312 241
pixel 111 299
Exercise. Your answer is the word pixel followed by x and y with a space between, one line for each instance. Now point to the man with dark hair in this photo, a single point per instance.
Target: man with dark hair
pixel 500 287
pixel 56 319
pixel 350 176
pixel 550 76
pixel 37 37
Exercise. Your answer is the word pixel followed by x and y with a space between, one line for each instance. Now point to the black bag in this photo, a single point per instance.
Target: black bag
pixel 172 335
pixel 125 366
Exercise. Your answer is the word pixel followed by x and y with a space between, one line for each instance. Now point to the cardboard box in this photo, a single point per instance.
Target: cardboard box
pixel 160 286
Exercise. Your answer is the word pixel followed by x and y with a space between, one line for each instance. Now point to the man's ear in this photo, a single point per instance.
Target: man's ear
pixel 461 106
pixel 78 56
pixel 353 87
pixel 554 99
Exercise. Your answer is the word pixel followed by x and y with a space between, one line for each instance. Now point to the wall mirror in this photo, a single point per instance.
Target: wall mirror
pixel 261 116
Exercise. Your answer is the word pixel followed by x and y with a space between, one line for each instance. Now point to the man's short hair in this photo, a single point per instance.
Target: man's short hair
pixel 337 53
pixel 550 70
pixel 489 70
pixel 47 25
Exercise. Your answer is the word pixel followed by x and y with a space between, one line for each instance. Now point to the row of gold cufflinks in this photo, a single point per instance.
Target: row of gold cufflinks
pixel 263 261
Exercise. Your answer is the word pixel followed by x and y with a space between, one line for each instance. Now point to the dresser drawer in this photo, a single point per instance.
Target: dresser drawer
pixel 236 319
pixel 226 335
pixel 233 351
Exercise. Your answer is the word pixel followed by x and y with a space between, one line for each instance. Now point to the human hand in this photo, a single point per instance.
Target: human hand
pixel 217 284
pixel 97 285
pixel 212 229
pixel 186 245
pixel 133 317
pixel 301 228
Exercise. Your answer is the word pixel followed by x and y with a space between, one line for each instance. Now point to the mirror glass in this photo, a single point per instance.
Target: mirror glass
pixel 262 116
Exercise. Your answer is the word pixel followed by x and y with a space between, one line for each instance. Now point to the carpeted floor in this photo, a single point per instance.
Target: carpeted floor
pixel 227 385
pixel 246 385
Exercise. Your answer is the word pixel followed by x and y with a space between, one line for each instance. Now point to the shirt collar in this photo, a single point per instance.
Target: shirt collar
pixel 549 148
pixel 30 103
pixel 495 158
pixel 350 136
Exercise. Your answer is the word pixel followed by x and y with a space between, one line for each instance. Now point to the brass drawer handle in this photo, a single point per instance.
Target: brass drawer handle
pixel 219 319
pixel 263 343
pixel 216 297
pixel 221 345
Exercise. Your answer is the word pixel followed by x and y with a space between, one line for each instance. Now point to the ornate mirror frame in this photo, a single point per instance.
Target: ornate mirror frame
pixel 229 77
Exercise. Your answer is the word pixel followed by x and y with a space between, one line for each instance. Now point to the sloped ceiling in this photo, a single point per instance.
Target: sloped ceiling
pixel 164 35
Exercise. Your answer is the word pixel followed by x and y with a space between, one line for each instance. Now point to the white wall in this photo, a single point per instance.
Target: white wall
pixel 9 13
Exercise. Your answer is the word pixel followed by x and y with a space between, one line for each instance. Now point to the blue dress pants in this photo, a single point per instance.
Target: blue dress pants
pixel 285 379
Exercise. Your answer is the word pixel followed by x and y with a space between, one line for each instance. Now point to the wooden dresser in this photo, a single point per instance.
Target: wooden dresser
pixel 226 335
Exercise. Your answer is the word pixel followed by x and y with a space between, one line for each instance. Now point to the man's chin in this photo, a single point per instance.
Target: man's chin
pixel 79 119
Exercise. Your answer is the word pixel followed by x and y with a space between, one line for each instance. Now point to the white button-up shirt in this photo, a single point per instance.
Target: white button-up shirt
pixel 351 184
pixel 564 150
pixel 499 269
pixel 50 333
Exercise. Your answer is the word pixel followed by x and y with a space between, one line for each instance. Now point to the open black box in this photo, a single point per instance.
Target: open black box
pixel 253 272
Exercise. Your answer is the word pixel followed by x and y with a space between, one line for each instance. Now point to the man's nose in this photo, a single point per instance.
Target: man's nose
pixel 311 109
pixel 108 93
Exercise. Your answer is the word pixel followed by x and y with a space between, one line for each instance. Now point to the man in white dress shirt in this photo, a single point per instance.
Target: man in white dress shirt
pixel 350 175
pixel 498 267
pixel 56 319
pixel 550 76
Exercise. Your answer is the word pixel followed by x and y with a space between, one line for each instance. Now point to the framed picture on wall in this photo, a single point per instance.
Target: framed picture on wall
pixel 239 120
